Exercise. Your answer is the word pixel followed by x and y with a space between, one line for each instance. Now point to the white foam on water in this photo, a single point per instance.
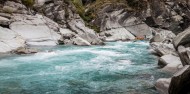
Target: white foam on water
pixel 142 43
pixel 37 56
pixel 61 68
pixel 125 62
pixel 107 53
pixel 7 63
pixel 101 58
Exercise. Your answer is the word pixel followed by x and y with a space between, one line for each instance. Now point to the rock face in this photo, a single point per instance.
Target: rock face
pixel 120 25
pixel 36 30
pixel 180 82
pixel 9 40
pixel 173 15
pixel 65 15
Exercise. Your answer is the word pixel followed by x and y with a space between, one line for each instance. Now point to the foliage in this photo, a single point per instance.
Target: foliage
pixel 87 16
pixel 28 3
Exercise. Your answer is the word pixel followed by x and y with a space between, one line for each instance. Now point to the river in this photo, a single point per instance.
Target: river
pixel 116 68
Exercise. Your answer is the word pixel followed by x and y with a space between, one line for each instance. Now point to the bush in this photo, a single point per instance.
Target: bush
pixel 28 3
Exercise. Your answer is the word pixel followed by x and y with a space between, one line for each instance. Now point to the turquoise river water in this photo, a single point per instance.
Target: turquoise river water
pixel 116 68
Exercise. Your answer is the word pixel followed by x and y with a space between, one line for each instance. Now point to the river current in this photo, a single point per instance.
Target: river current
pixel 116 68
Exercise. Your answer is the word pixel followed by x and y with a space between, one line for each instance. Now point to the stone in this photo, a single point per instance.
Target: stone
pixel 118 34
pixel 162 85
pixel 24 50
pixel 163 36
pixel 182 38
pixel 180 83
pixel 163 48
pixel 184 55
pixel 87 34
pixel 41 2
pixel 170 63
pixel 9 40
pixel 80 41
pixel 14 7
pixel 4 21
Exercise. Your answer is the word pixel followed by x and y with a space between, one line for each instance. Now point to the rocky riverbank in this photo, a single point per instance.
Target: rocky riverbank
pixel 174 58
pixel 26 23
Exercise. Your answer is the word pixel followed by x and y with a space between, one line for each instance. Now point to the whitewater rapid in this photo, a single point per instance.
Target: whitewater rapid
pixel 116 68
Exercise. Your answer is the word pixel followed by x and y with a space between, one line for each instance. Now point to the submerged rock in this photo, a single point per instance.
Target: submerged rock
pixel 25 50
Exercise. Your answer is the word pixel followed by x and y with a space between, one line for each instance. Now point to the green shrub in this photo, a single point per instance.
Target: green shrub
pixel 28 3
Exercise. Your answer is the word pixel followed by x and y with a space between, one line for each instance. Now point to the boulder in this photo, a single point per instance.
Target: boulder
pixel 87 34
pixel 70 37
pixel 182 38
pixel 4 21
pixel 184 55
pixel 9 40
pixel 80 41
pixel 180 83
pixel 39 3
pixel 24 50
pixel 14 7
pixel 117 34
pixel 36 30
pixel 162 85
pixel 163 36
pixel 163 48
pixel 170 63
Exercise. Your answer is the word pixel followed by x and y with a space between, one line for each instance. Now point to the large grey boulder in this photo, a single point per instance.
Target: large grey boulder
pixel 4 21
pixel 14 7
pixel 170 63
pixel 180 83
pixel 117 34
pixel 25 50
pixel 9 40
pixel 69 38
pixel 184 54
pixel 84 32
pixel 162 85
pixel 182 38
pixel 36 30
pixel 163 48
pixel 163 36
